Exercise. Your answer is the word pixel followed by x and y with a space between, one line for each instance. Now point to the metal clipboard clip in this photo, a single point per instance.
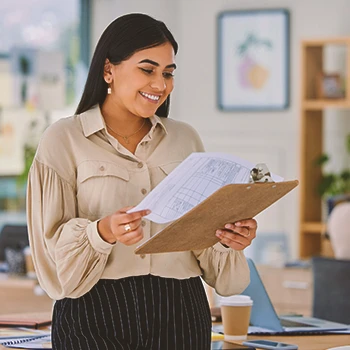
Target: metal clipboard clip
pixel 260 173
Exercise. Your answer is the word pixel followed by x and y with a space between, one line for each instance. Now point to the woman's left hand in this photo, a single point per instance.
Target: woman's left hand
pixel 238 235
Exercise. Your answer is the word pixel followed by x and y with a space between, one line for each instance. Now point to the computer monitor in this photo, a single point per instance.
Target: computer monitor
pixel 13 236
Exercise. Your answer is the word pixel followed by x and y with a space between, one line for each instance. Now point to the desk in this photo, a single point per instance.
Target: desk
pixel 305 342
pixel 309 342
pixel 21 295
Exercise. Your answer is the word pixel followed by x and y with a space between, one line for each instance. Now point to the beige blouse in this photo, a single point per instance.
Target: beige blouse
pixel 79 175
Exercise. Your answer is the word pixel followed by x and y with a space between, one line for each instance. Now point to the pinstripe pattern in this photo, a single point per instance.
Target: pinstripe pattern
pixel 142 312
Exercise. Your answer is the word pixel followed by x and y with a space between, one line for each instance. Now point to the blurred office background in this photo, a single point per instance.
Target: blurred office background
pixel 45 49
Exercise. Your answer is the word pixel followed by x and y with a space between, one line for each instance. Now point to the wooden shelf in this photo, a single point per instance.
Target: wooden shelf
pixel 324 104
pixel 327 41
pixel 314 227
pixel 311 227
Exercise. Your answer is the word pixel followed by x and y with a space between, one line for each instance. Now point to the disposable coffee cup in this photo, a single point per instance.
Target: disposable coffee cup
pixel 235 314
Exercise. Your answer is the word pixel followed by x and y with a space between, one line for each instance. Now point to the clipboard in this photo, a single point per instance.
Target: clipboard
pixel 231 203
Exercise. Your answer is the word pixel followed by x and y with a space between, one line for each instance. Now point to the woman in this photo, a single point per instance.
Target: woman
pixel 117 147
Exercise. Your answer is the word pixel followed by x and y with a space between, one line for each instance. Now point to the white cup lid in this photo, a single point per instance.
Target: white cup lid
pixel 239 300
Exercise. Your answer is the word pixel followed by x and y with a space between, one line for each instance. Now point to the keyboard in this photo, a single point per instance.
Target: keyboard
pixel 288 323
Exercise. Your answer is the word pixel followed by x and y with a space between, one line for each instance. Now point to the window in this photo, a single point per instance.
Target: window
pixel 42 73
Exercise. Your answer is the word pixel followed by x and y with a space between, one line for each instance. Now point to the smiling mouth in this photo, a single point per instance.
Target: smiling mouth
pixel 150 97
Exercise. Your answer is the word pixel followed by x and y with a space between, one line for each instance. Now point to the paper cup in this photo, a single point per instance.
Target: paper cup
pixel 235 313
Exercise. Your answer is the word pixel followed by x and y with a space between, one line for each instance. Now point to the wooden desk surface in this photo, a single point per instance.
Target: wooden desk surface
pixel 310 342
pixel 22 295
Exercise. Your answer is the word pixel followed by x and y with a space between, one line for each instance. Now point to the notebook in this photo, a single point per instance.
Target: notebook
pixel 42 341
pixel 30 320
pixel 19 332
pixel 263 314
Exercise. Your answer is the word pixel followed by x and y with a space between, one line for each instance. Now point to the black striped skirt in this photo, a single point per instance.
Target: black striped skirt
pixel 142 312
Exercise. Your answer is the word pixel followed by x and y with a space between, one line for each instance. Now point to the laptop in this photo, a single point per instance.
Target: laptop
pixel 264 318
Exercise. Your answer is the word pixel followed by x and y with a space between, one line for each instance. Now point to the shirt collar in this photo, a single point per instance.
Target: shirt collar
pixel 155 120
pixel 92 121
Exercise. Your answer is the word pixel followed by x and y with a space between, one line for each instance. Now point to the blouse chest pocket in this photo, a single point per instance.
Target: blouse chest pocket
pixel 102 188
pixel 162 171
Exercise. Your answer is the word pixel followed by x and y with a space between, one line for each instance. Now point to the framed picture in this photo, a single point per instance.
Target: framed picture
pixel 253 60
pixel 330 86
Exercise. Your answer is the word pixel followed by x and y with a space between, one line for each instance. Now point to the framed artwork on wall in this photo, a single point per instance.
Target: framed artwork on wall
pixel 253 60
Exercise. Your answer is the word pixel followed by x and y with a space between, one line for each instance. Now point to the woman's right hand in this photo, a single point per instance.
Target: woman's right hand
pixel 122 227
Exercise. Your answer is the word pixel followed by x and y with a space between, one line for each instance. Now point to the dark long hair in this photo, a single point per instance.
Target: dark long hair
pixel 120 40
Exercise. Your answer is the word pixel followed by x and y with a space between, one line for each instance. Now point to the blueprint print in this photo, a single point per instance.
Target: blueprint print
pixel 195 179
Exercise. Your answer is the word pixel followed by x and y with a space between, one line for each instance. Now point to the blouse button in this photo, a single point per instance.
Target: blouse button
pixel 142 256
pixel 143 191
pixel 143 223
pixel 102 168
pixel 140 165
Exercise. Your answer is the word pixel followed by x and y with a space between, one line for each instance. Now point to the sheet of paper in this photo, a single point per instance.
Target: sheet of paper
pixel 195 179
pixel 19 332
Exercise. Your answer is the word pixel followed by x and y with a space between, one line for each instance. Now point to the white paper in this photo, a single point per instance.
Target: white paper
pixel 195 179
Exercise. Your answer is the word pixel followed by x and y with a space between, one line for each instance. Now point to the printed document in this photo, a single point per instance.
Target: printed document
pixel 195 179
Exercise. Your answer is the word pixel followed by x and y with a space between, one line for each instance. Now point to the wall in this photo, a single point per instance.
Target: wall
pixel 270 137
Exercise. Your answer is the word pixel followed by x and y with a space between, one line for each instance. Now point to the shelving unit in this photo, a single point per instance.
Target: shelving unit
pixel 311 226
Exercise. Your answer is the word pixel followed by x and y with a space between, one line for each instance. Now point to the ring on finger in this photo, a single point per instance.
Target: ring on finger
pixel 248 233
pixel 127 228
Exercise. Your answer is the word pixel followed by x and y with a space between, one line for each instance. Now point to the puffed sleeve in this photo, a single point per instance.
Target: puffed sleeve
pixel 224 269
pixel 68 253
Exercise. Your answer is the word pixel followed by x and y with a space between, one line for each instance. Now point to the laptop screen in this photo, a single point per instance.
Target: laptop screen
pixel 263 313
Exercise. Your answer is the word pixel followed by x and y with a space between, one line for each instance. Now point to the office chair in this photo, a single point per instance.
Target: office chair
pixel 331 289
pixel 13 236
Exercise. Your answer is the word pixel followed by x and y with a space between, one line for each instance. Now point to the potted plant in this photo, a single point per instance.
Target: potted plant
pixel 334 187
pixel 34 132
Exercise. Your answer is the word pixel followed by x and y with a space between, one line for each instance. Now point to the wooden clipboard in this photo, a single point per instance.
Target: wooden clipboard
pixel 196 229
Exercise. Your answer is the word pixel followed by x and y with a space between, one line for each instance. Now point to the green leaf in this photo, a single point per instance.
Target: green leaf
pixel 333 183
pixel 326 185
pixel 322 159
pixel 29 154
pixel 345 175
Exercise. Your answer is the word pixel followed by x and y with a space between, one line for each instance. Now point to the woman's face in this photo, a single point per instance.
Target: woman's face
pixel 143 82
